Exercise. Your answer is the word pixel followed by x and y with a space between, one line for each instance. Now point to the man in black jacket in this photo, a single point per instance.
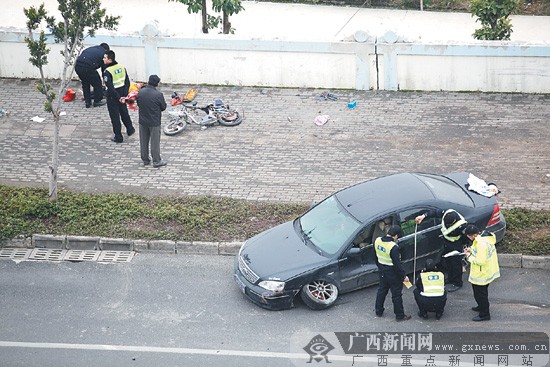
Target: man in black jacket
pixel 151 104
pixel 86 66
pixel 452 225
pixel 117 82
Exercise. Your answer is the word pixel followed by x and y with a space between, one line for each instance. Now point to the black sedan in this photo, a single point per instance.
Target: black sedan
pixel 329 249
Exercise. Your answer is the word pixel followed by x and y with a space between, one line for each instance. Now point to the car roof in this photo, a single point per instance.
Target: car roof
pixel 371 198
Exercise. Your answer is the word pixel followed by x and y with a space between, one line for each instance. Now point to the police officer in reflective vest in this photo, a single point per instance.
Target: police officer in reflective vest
pixel 391 273
pixel 452 225
pixel 117 83
pixel 430 294
pixel 484 268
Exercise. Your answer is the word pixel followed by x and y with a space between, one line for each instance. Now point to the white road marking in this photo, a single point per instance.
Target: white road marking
pixel 132 348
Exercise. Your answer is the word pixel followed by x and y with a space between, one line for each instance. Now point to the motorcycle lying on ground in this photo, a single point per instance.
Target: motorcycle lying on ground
pixel 187 114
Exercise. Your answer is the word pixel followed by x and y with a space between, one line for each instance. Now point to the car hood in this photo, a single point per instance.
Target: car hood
pixel 280 254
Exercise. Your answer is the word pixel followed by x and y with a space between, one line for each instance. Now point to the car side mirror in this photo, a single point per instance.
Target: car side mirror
pixel 354 251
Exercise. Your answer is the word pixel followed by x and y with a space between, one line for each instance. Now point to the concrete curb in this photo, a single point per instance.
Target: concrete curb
pixel 199 248
pixel 121 244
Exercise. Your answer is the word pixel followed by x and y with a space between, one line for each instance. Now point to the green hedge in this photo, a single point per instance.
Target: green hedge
pixel 532 7
pixel 27 211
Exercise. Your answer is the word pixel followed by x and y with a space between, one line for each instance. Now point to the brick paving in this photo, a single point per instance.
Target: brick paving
pixel 279 154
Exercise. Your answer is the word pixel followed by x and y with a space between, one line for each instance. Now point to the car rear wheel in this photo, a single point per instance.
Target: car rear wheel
pixel 319 294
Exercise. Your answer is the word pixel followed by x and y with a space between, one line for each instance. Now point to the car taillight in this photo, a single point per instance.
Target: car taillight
pixel 495 217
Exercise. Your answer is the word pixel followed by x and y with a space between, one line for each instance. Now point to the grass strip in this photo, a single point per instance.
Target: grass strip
pixel 27 211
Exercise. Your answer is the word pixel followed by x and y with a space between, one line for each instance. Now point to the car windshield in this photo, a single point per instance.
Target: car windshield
pixel 328 226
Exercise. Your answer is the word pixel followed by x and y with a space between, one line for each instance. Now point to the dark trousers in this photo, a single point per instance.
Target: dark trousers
pixel 149 135
pixel 390 281
pixel 481 295
pixel 453 264
pixel 90 77
pixel 430 304
pixel 118 111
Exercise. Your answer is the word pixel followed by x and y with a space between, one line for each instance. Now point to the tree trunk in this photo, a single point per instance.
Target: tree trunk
pixel 55 158
pixel 204 17
pixel 226 24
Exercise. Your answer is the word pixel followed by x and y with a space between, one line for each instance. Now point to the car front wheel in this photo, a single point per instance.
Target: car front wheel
pixel 319 294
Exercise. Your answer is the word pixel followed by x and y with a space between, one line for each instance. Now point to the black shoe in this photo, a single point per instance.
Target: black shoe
pixel 453 288
pixel 131 132
pixel 404 318
pixel 88 105
pixel 423 315
pixel 159 164
pixel 482 318
pixel 438 315
pixel 100 103
pixel 115 140
pixel 146 163
pixel 476 308
pixel 379 314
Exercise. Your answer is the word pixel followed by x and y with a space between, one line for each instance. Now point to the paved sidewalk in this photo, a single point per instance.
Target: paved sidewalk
pixel 279 154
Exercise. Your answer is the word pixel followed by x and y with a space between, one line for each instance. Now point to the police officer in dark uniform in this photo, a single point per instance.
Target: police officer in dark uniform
pixel 430 294
pixel 117 83
pixel 86 66
pixel 391 273
pixel 452 226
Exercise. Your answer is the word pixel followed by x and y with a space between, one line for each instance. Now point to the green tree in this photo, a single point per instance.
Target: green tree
pixel 494 18
pixel 227 7
pixel 80 18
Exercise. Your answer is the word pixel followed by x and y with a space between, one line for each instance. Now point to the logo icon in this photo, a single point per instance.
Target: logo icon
pixel 318 348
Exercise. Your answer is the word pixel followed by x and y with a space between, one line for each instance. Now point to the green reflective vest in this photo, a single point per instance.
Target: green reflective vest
pixel 446 231
pixel 382 250
pixel 483 259
pixel 434 284
pixel 118 72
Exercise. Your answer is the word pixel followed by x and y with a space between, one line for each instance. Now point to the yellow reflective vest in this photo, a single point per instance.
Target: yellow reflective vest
pixel 118 72
pixel 483 259
pixel 446 231
pixel 433 283
pixel 382 250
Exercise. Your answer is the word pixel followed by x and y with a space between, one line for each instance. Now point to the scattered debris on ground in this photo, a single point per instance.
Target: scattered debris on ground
pixel 320 120
pixel 326 96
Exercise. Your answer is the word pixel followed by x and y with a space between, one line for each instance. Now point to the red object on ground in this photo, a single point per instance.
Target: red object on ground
pixel 70 95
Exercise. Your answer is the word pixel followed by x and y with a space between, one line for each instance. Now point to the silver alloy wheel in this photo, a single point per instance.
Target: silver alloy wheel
pixel 322 291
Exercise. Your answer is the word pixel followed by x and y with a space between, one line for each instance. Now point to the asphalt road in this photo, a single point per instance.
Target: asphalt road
pixel 174 310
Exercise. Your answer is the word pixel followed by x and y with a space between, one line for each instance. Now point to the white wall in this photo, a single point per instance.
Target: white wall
pixel 481 66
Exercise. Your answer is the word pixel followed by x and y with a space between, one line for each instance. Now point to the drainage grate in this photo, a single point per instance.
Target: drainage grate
pixel 66 255
pixel 47 254
pixel 15 253
pixel 116 256
pixel 82 255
